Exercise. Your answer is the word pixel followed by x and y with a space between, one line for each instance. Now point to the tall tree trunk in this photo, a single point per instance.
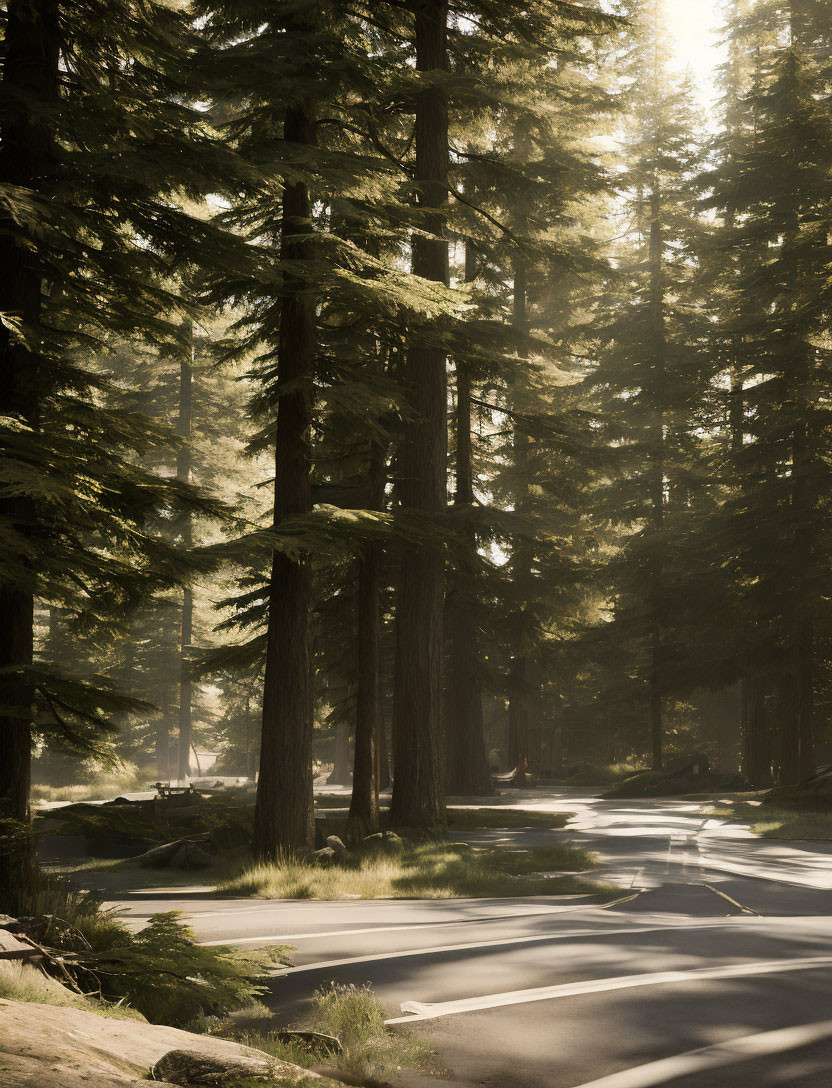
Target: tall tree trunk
pixel 467 769
pixel 30 84
pixel 418 799
pixel 162 742
pixel 788 749
pixel 803 504
pixel 284 819
pixel 756 746
pixel 657 471
pixel 518 718
pixel 519 677
pixel 363 814
pixel 385 778
pixel 340 774
pixel 184 460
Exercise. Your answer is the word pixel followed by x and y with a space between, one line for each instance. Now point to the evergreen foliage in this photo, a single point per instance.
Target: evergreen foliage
pixel 431 374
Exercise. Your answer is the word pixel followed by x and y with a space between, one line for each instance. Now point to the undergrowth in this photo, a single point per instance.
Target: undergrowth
pixel 425 871
pixel 781 823
pixel 367 1048
pixel 160 971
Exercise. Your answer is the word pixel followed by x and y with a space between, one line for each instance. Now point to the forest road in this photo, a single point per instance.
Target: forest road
pixel 713 970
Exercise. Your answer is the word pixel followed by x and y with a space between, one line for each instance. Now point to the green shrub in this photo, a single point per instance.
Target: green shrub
pixel 368 1048
pixel 164 973
pixel 161 971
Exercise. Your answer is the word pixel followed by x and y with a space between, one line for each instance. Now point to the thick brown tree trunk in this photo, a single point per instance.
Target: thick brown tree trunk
pixel 284 819
pixel 184 460
pixel 385 778
pixel 418 799
pixel 30 84
pixel 467 771
pixel 363 814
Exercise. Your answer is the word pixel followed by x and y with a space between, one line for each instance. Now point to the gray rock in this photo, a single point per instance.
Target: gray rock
pixel 181 854
pixel 159 857
pixel 184 1067
pixel 324 857
pixel 393 842
pixel 191 855
pixel 336 844
pixel 383 842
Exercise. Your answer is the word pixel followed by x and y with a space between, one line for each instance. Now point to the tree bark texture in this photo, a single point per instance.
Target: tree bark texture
pixel 340 774
pixel 520 691
pixel 30 86
pixel 418 799
pixel 184 460
pixel 756 743
pixel 363 814
pixel 467 771
pixel 284 819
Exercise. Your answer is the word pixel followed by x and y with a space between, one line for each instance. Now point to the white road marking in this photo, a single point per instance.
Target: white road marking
pixel 417 926
pixel 427 1011
pixel 502 942
pixel 554 912
pixel 713 1057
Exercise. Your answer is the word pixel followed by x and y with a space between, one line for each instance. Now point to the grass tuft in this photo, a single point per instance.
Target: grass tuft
pixel 497 818
pixel 781 823
pixel 355 1017
pixel 425 871
pixel 22 982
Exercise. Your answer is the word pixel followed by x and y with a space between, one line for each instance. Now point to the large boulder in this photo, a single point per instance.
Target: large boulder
pixel 45 1046
pixel 189 1067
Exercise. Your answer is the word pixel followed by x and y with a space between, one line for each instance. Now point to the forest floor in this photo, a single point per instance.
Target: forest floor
pixel 422 870
pixel 432 870
pixel 715 963
pixel 711 969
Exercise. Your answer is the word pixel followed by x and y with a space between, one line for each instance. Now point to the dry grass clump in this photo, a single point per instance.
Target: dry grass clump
pixel 22 982
pixel 425 871
pixel 366 1047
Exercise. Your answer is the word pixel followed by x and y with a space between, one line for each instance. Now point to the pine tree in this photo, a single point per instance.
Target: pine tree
pixel 649 374
pixel 421 463
pixel 91 229
pixel 777 228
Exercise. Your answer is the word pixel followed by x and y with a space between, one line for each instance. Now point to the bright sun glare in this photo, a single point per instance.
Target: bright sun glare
pixel 696 26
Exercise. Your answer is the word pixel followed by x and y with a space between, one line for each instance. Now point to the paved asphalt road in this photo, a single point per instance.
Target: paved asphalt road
pixel 715 970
